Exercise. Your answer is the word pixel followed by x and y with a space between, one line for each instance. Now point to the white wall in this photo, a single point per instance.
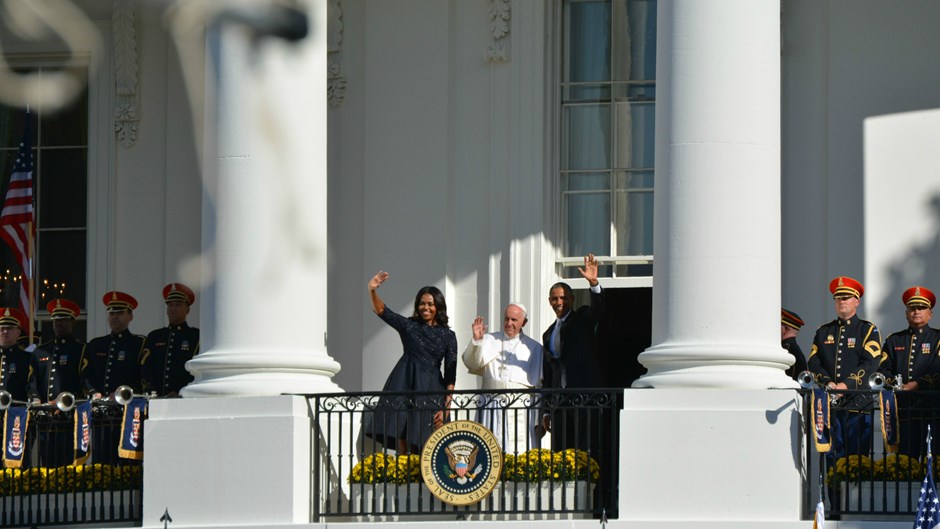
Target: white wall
pixel 845 61
pixel 157 191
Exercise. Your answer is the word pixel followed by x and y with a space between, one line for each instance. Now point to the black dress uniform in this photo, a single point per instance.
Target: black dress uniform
pixel 799 360
pixel 913 354
pixel 58 368
pixel 18 373
pixel 58 363
pixel 848 352
pixel 111 361
pixel 163 361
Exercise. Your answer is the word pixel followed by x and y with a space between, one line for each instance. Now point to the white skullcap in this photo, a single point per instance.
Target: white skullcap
pixel 525 313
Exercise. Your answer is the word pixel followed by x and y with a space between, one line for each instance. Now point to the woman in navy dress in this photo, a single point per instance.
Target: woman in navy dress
pixel 427 342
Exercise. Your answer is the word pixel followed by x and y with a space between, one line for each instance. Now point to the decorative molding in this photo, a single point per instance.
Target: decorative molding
pixel 335 81
pixel 500 23
pixel 124 41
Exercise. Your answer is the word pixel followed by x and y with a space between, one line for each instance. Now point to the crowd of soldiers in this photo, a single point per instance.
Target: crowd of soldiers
pixel 153 365
pixel 848 350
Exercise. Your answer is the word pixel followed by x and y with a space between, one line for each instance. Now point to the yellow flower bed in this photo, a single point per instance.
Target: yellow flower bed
pixel 384 468
pixel 541 464
pixel 90 478
pixel 534 465
pixel 861 468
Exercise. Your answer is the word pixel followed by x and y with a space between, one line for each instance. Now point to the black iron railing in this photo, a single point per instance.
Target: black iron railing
pixel 49 490
pixel 860 476
pixel 571 472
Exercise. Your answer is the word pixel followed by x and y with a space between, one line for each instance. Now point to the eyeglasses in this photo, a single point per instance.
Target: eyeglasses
pixel 842 298
pixel 916 308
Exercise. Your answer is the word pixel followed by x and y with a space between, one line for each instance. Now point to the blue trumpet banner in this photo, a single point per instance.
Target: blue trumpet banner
pixel 132 429
pixel 14 436
pixel 82 433
pixel 820 413
pixel 889 420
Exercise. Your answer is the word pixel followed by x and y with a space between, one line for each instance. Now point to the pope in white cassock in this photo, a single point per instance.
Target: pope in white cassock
pixel 507 360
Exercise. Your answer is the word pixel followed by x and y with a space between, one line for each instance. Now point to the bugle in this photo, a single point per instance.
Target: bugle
pixel 124 394
pixel 877 381
pixel 806 380
pixel 6 400
pixel 66 401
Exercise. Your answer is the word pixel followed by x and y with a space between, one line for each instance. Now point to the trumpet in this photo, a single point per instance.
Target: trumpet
pixel 6 400
pixel 124 394
pixel 66 401
pixel 806 380
pixel 877 381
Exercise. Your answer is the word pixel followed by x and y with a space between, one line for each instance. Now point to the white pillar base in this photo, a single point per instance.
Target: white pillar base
pixel 234 461
pixel 243 372
pixel 731 366
pixel 709 455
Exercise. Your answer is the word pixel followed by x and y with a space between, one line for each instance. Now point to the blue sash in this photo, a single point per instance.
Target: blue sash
pixel 132 429
pixel 14 436
pixel 820 419
pixel 82 435
pixel 889 419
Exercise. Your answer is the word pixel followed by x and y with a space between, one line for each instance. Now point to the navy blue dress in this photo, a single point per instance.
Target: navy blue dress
pixel 418 369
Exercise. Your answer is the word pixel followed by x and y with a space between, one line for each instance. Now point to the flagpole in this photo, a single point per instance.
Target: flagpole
pixel 31 285
pixel 30 243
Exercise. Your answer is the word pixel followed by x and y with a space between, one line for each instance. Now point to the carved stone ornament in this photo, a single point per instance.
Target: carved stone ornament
pixel 124 41
pixel 335 81
pixel 500 23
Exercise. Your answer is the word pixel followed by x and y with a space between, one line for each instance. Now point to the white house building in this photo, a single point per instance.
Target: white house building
pixel 722 158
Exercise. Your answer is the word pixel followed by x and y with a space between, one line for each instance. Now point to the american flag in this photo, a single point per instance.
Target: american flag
pixel 16 218
pixel 928 516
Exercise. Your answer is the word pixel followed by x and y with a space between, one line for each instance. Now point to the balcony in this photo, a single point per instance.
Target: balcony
pixel 861 479
pixel 49 491
pixel 570 473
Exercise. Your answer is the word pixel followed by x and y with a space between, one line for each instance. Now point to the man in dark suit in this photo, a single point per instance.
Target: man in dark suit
pixel 570 362
pixel 570 344
pixel 570 349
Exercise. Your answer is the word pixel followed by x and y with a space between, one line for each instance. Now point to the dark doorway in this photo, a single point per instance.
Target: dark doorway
pixel 625 332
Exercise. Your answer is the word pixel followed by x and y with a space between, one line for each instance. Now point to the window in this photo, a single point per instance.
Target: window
pixel 607 99
pixel 60 180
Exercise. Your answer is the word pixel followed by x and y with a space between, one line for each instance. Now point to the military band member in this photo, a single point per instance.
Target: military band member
pixel 790 324
pixel 846 351
pixel 166 350
pixel 58 359
pixel 911 359
pixel 58 363
pixel 113 360
pixel 17 367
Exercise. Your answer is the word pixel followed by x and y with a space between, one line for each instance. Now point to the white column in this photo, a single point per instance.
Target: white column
pixel 264 227
pixel 716 293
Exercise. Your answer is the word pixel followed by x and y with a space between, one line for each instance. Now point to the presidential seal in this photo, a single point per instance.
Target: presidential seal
pixel 461 462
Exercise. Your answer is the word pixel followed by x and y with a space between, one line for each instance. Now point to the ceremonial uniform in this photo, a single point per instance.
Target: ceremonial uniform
pixel 111 361
pixel 17 366
pixel 58 368
pixel 166 350
pixel 792 321
pixel 847 351
pixel 911 355
pixel 163 361
pixel 18 373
